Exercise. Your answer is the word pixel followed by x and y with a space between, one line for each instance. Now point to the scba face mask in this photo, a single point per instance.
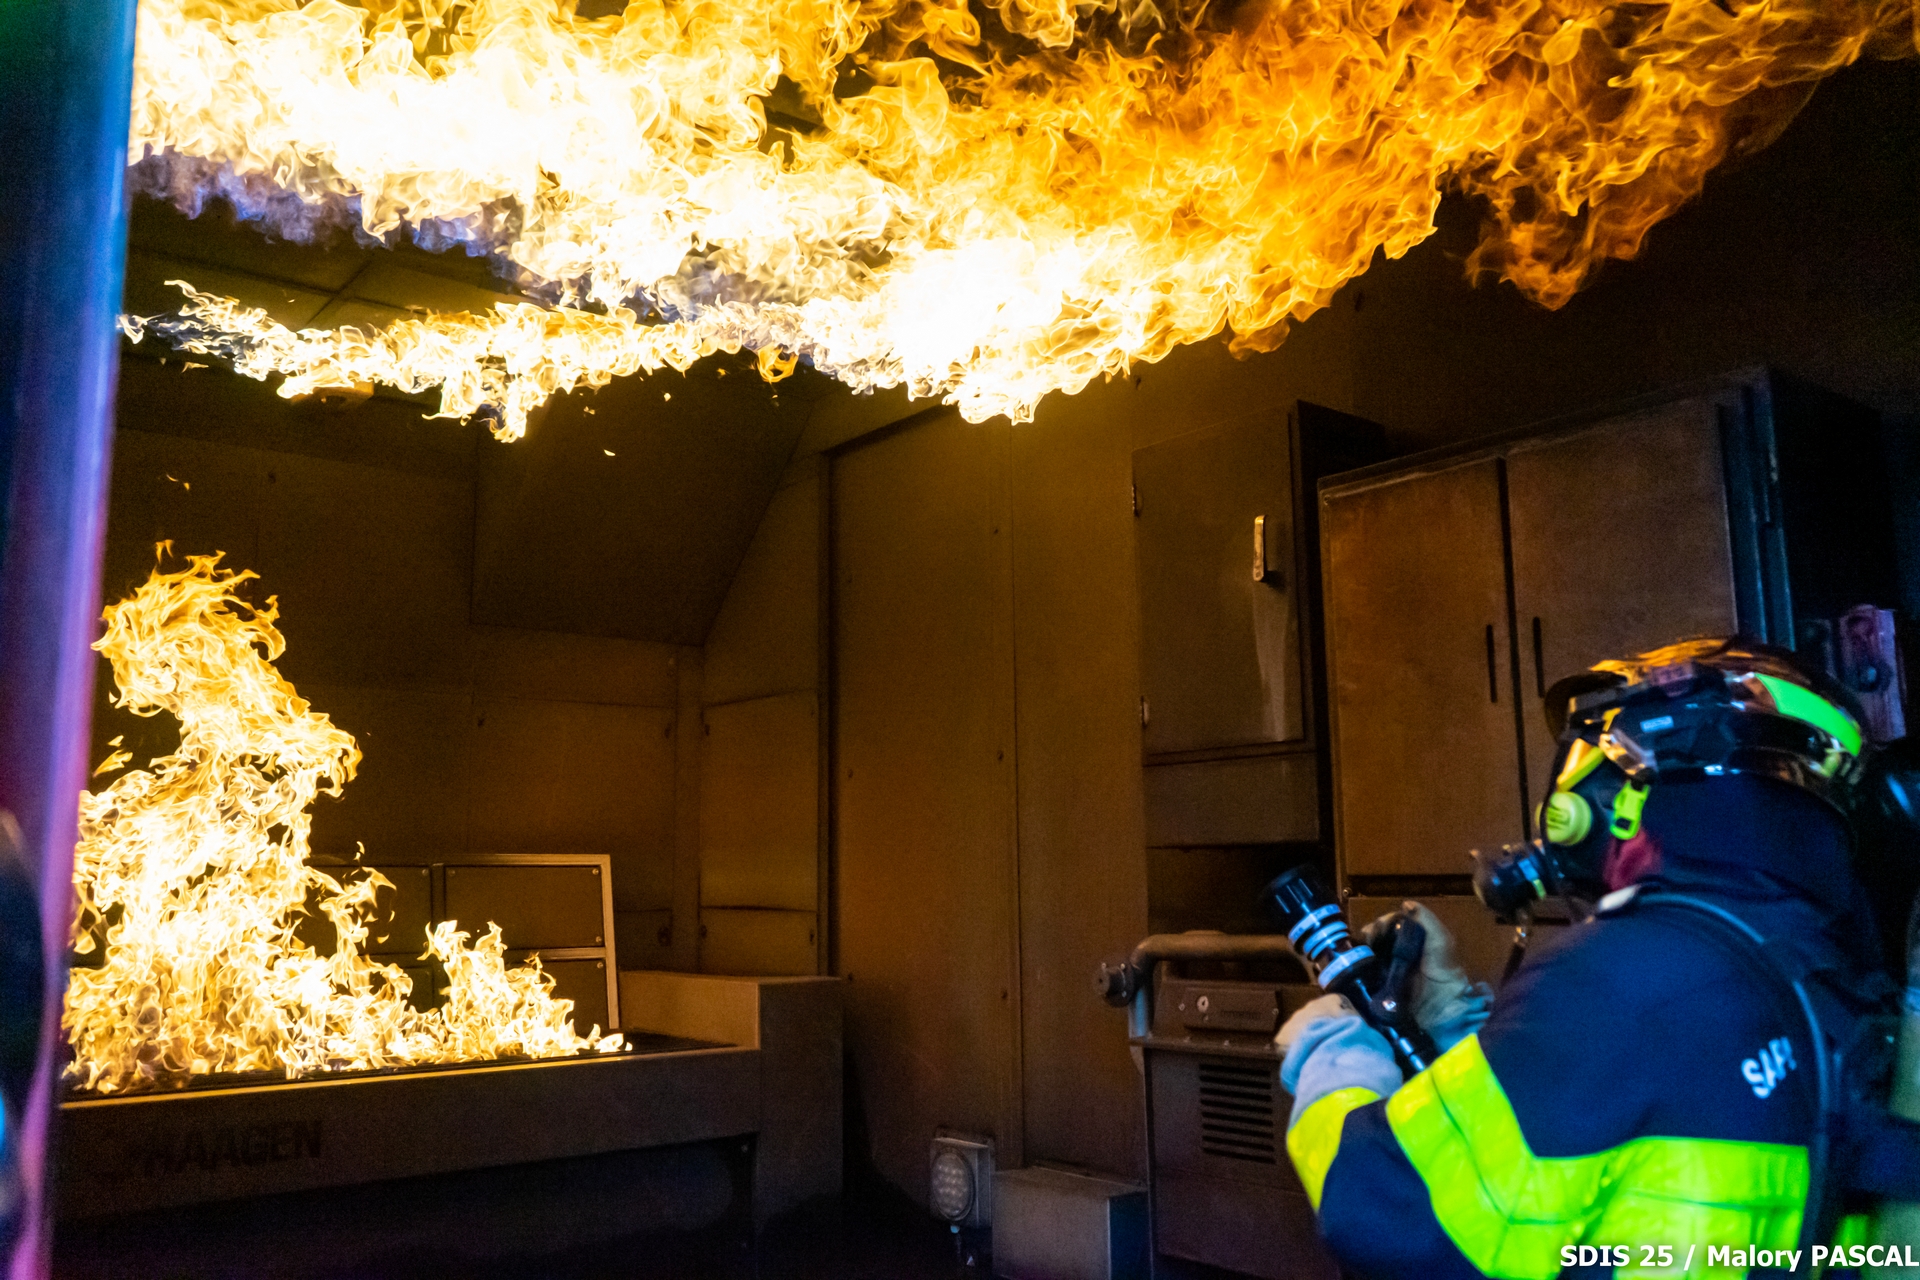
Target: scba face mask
pixel 1704 708
pixel 1591 801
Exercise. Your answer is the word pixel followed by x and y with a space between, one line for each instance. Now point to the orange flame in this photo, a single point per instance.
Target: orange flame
pixel 986 206
pixel 193 873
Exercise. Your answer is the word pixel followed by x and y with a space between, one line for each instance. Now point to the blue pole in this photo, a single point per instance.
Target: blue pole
pixel 66 76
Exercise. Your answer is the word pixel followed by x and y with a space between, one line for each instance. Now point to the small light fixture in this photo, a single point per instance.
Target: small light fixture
pixel 960 1180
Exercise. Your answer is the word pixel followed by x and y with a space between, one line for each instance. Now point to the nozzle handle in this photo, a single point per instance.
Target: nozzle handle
pixel 1403 964
pixel 1390 1011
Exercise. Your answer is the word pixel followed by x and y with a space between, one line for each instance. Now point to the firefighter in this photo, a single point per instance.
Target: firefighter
pixel 1642 1098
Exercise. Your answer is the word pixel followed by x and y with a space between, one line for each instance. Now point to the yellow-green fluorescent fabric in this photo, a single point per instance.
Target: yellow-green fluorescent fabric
pixel 1510 1212
pixel 1314 1139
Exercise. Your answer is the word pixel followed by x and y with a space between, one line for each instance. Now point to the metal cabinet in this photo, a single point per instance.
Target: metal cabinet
pixel 1418 636
pixel 1220 662
pixel 1223 1193
pixel 1232 683
pixel 1621 542
pixel 1462 583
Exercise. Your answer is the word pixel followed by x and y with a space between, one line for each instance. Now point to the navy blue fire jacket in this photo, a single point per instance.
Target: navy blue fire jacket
pixel 1641 1087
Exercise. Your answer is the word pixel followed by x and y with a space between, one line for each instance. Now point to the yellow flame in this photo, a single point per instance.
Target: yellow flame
pixel 507 362
pixel 192 873
pixel 985 205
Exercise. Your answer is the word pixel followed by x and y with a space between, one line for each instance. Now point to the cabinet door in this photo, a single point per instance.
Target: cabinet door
pixel 1425 756
pixel 1220 652
pixel 1620 544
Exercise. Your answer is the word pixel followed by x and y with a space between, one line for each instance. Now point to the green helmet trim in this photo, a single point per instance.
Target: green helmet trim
pixel 1803 704
pixel 1582 759
pixel 1628 804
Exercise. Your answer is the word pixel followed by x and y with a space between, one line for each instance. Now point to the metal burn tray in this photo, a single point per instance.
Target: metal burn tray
pixel 234 1137
pixel 637 1042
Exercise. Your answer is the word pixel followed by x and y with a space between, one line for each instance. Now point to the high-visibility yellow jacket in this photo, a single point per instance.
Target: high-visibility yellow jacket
pixel 1638 1085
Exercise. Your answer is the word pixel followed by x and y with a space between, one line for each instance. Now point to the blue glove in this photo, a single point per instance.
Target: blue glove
pixel 1329 1047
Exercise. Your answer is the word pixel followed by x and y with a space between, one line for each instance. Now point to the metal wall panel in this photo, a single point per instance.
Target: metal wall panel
pixel 1214 887
pixel 753 941
pixel 566 668
pixel 1419 664
pixel 551 777
pixel 585 983
pixel 762 840
pixel 409 801
pixel 402 930
pixel 765 639
pixel 537 907
pixel 643 939
pixel 759 803
pixel 924 818
pixel 1248 800
pixel 683 937
pixel 370 565
pixel 402 914
pixel 1081 878
pixel 555 905
pixel 623 514
pixel 203 497
pixel 380 598
pixel 473 738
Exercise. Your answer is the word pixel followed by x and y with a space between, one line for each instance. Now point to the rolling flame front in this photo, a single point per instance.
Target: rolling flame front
pixel 984 205
pixel 192 873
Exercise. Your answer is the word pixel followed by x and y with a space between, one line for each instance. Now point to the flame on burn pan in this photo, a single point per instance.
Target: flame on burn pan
pixel 192 873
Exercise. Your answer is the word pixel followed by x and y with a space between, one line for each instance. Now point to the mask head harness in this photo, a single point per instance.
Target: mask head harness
pixel 1700 708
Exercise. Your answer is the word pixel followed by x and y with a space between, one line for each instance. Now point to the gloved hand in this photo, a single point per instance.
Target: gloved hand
pixel 1329 1047
pixel 1319 1009
pixel 1444 1001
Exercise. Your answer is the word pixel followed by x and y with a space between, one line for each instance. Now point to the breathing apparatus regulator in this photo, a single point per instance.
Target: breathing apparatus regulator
pixel 1697 709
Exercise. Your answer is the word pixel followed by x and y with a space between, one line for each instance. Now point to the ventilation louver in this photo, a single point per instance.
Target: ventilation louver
pixel 1236 1110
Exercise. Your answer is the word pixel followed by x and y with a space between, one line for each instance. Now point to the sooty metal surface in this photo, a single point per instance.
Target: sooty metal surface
pixel 119 1155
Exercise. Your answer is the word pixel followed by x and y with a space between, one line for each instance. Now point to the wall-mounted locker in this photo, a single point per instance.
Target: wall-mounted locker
pixel 1232 703
pixel 1461 584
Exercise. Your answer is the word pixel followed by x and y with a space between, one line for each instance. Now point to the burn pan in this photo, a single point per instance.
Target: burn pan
pixel 158 1150
pixel 668 1213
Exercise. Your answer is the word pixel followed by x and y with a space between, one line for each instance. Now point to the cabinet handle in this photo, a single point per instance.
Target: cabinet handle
pixel 1539 661
pixel 1261 573
pixel 1493 683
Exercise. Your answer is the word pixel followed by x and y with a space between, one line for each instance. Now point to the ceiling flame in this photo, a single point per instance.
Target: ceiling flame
pixel 986 205
pixel 192 874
